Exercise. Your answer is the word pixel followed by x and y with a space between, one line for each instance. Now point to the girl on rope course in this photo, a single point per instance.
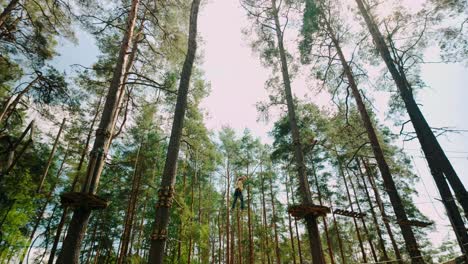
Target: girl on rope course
pixel 238 192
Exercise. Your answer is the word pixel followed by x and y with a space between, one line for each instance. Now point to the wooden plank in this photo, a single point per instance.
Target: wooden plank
pixel 79 199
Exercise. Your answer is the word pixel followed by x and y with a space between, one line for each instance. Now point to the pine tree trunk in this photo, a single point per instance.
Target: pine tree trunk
pixel 273 223
pixel 220 237
pixel 141 225
pixel 129 217
pixel 159 236
pixel 91 247
pixel 364 226
pixel 385 218
pixel 265 224
pixel 304 189
pixel 395 199
pixel 80 219
pixel 181 228
pixel 291 236
pixel 374 215
pixel 325 224
pixel 98 251
pixel 340 242
pixel 298 237
pixel 249 223
pixel 58 232
pixel 48 199
pixel 12 158
pixel 436 158
pixel 47 233
pixel 10 106
pixel 51 157
pixel 239 237
pixel 192 184
pixel 233 252
pixel 228 209
pixel 348 195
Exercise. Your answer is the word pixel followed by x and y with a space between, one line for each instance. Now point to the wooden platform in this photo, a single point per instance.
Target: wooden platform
pixel 302 210
pixel 85 200
pixel 349 213
pixel 414 223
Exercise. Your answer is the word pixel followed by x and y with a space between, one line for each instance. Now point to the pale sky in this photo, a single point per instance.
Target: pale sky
pixel 237 79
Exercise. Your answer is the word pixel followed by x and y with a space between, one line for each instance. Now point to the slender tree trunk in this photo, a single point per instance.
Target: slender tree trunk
pixel 129 217
pixel 395 199
pixel 78 224
pixel 385 218
pixel 291 236
pixel 340 242
pixel 273 223
pixel 265 224
pixel 374 215
pixel 239 237
pixel 47 233
pixel 84 151
pixel 220 237
pixel 91 247
pixel 141 226
pixel 249 223
pixel 304 189
pixel 325 224
pixel 48 198
pixel 10 106
pixel 98 251
pixel 192 184
pixel 51 156
pixel 364 226
pixel 159 236
pixel 13 159
pixel 436 158
pixel 228 208
pixel 232 255
pixel 358 233
pixel 181 228
pixel 298 237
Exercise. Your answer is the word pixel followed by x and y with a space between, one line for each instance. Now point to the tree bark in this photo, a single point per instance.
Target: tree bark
pixel 11 106
pixel 13 159
pixel 78 224
pixel 436 158
pixel 190 244
pixel 358 204
pixel 298 237
pixel 249 223
pixel 340 242
pixel 48 198
pixel 291 236
pixel 129 216
pixel 273 223
pixel 395 199
pixel 304 189
pixel 239 237
pixel 385 218
pixel 348 195
pixel 51 157
pixel 159 236
pixel 63 218
pixel 265 224
pixel 228 208
pixel 325 224
pixel 374 215
pixel 181 228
